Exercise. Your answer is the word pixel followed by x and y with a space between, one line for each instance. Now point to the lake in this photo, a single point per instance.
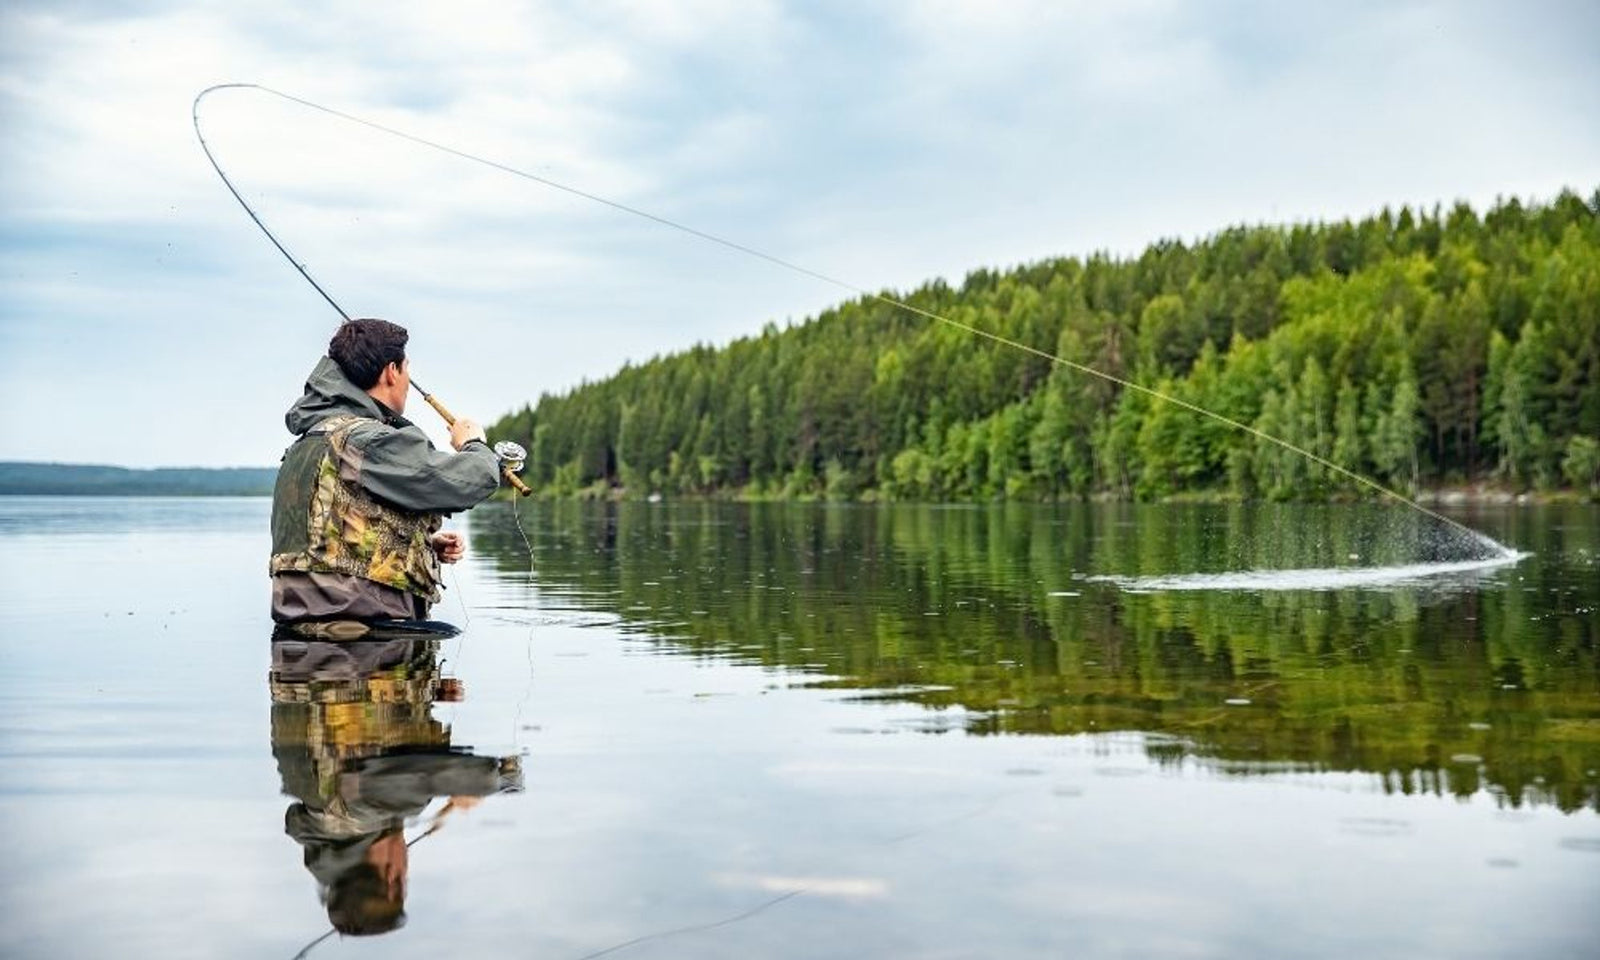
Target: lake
pixel 797 731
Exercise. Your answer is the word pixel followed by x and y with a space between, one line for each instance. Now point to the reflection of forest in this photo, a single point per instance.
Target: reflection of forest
pixel 1437 688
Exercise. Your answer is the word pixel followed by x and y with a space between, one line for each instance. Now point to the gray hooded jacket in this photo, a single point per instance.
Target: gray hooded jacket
pixel 395 462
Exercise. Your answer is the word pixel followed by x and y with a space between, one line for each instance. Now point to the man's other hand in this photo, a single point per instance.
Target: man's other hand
pixel 464 431
pixel 448 546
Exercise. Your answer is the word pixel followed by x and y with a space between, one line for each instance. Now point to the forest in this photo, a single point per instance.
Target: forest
pixel 1422 348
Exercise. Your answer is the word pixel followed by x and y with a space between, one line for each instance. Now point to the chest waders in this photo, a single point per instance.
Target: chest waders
pixel 323 523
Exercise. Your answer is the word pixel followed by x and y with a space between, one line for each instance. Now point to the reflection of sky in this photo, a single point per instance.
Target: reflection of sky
pixel 886 144
pixel 141 814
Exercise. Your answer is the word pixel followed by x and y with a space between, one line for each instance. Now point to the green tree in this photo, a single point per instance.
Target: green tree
pixel 1420 344
pixel 1349 443
pixel 1581 465
pixel 1397 429
pixel 1169 337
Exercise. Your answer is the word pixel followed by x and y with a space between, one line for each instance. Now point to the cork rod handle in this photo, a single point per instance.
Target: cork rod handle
pixel 515 481
pixel 449 417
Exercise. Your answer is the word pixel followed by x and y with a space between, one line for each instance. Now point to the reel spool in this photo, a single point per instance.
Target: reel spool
pixel 512 459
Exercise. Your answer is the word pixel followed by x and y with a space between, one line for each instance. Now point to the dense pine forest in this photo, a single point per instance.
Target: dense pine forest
pixel 1419 347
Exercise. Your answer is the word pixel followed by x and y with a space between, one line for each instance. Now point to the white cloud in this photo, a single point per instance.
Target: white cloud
pixel 886 144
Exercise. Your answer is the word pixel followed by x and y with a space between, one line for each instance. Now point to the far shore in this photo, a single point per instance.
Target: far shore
pixel 1468 495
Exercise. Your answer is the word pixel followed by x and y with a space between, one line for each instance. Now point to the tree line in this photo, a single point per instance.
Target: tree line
pixel 21 478
pixel 1417 347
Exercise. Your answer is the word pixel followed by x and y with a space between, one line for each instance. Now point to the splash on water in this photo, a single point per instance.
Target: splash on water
pixel 1442 556
pixel 1328 578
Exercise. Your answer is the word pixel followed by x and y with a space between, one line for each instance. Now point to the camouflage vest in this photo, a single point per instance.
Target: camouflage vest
pixel 322 523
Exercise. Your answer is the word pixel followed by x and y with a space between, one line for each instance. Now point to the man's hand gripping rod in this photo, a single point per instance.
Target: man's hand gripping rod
pixel 511 455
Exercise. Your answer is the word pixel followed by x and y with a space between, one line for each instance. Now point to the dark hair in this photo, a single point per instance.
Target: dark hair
pixel 362 348
pixel 361 903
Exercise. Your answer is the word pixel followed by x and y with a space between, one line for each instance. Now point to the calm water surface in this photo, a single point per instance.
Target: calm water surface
pixel 804 731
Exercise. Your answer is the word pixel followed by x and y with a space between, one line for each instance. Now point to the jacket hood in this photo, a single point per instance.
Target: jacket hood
pixel 329 393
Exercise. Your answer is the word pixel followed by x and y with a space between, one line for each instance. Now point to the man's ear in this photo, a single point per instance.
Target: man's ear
pixel 391 374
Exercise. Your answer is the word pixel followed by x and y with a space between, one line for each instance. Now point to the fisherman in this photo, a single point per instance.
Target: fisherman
pixel 362 492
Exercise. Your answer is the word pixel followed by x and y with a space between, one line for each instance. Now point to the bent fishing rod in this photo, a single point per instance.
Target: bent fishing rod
pixel 512 455
pixel 855 289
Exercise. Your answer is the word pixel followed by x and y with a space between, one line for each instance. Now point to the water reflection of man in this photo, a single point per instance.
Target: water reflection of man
pixel 359 748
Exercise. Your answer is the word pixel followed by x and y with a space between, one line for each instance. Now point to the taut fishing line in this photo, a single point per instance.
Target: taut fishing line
pixel 856 289
pixel 792 267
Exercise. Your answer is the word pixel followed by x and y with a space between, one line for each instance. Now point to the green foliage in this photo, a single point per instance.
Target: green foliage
pixel 1581 466
pixel 1417 347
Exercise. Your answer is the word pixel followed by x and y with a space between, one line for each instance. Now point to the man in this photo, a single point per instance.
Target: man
pixel 362 493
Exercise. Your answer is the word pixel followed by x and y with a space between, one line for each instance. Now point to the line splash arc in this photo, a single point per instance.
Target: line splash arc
pixel 1325 578
pixel 1505 554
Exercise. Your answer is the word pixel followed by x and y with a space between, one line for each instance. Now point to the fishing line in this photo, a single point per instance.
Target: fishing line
pixel 806 271
pixel 696 928
pixel 787 265
pixel 527 690
pixel 433 827
pixel 306 950
pixel 461 595
pixel 800 890
pixel 451 666
pixel 194 113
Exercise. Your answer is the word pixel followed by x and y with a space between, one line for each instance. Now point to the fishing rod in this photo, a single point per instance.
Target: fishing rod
pixel 434 826
pixel 512 455
pixel 855 289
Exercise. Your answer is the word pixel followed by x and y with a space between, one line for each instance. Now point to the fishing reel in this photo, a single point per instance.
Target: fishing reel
pixel 512 456
pixel 512 459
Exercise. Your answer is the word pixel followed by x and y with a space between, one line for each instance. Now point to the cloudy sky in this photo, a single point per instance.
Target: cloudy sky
pixel 144 320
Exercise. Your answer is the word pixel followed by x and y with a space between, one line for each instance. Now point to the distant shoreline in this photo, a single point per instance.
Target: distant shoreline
pixel 1443 496
pixel 19 478
pixel 176 494
pixel 31 479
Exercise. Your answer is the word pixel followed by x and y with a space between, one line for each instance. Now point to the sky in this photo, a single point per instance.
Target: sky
pixel 145 321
